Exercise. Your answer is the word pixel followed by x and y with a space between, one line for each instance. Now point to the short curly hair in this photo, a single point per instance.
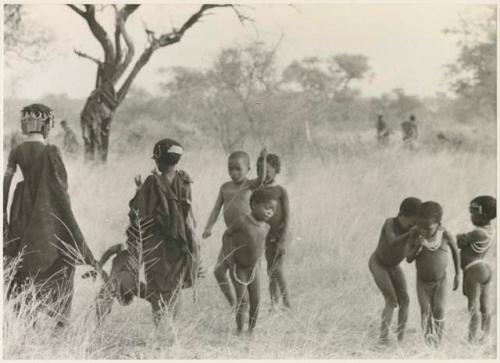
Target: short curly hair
pixel 273 160
pixel 485 206
pixel 262 196
pixel 432 210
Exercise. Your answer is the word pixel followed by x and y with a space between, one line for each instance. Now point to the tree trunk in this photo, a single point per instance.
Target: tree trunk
pixel 96 120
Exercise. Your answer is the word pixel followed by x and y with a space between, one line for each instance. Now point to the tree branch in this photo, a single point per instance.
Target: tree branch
pixel 84 55
pixel 122 66
pixel 97 30
pixel 77 10
pixel 163 41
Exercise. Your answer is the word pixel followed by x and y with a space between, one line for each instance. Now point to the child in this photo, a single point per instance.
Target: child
pixel 244 241
pixel 278 232
pixel 161 232
pixel 477 272
pixel 42 227
pixel 430 250
pixel 234 199
pixel 385 266
pixel 122 282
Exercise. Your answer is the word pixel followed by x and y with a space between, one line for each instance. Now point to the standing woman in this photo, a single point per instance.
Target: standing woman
pixel 42 227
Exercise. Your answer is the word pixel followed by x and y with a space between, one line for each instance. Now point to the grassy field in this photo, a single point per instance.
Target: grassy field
pixel 337 213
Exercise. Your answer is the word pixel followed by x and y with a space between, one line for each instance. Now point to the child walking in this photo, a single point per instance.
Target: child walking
pixel 234 200
pixel 161 232
pixel 478 273
pixel 430 251
pixel 245 240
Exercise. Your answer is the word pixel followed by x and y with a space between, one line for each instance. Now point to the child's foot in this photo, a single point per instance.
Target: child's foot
pixel 239 332
pixel 384 342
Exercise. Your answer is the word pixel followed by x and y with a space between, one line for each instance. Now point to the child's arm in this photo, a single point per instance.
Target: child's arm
pixel 213 216
pixel 259 181
pixel 464 240
pixel 391 237
pixel 285 205
pixel 456 257
pixel 7 180
pixel 138 181
pixel 414 248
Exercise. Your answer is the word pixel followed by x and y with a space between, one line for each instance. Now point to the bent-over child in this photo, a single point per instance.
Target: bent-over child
pixel 430 251
pixel 244 243
pixel 385 266
pixel 478 273
pixel 234 200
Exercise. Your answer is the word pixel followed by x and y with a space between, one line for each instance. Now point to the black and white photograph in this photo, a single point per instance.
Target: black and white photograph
pixel 249 180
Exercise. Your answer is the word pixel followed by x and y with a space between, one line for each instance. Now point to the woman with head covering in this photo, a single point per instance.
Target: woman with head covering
pixel 42 229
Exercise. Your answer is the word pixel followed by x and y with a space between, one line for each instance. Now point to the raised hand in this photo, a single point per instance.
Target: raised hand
pixel 138 181
pixel 207 233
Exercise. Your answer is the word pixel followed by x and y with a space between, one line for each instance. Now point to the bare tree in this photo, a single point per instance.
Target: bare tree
pixel 21 42
pixel 103 101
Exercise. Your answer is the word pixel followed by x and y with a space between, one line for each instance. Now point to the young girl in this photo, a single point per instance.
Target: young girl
pixel 477 272
pixel 42 227
pixel 385 267
pixel 161 232
pixel 430 250
pixel 276 240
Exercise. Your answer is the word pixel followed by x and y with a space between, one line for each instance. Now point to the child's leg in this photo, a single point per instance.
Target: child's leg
pixel 254 298
pixel 472 291
pixel 399 283
pixel 280 279
pixel 220 273
pixel 385 285
pixel 241 297
pixel 274 287
pixel 484 301
pixel 485 309
pixel 438 307
pixel 424 300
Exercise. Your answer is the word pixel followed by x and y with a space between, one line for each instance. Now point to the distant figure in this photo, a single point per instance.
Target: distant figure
pixel 410 132
pixel 70 143
pixel 382 130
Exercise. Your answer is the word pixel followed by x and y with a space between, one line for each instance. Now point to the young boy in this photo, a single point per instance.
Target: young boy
pixel 477 272
pixel 42 225
pixel 161 232
pixel 430 250
pixel 244 241
pixel 385 267
pixel 278 232
pixel 234 199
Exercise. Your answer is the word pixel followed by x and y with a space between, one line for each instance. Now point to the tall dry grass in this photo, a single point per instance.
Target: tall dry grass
pixel 338 208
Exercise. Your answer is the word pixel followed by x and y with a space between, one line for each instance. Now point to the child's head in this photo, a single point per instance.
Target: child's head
pixel 263 204
pixel 273 167
pixel 429 218
pixel 64 123
pixel 167 153
pixel 238 166
pixel 482 210
pixel 36 119
pixel 408 211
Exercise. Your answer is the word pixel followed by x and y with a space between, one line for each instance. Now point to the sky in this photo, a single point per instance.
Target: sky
pixel 405 42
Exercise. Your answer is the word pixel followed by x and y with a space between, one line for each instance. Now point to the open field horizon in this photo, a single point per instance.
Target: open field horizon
pixel 337 210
